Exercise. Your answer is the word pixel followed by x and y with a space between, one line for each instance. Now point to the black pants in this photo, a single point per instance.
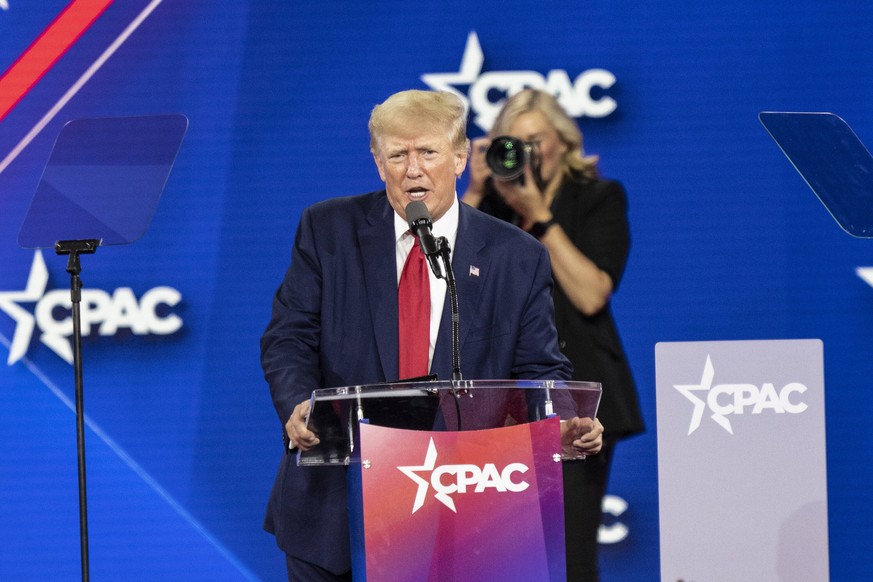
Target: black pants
pixel 584 488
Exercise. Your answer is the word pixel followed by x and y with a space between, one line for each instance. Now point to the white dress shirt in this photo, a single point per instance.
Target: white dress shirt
pixel 446 226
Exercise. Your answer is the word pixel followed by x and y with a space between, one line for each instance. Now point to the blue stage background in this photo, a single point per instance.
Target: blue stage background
pixel 728 242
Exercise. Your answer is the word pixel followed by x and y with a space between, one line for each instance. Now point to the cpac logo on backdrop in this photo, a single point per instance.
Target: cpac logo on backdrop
pixel 101 312
pixel 614 506
pixel 724 400
pixel 584 96
pixel 448 480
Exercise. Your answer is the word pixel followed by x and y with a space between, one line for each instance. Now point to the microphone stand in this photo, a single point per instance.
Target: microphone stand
pixel 443 250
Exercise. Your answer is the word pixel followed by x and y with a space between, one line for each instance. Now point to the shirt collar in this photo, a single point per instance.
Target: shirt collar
pixel 446 225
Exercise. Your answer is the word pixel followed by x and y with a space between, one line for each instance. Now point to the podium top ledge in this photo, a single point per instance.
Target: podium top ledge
pixel 335 413
pixel 406 389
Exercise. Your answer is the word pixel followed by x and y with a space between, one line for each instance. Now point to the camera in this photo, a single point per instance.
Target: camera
pixel 506 158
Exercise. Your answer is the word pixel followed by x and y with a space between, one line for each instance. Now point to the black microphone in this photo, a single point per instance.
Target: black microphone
pixel 420 224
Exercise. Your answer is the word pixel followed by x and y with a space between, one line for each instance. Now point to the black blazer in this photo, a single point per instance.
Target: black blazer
pixel 593 213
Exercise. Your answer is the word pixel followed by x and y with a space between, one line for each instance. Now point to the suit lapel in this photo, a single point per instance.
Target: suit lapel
pixel 376 241
pixel 470 267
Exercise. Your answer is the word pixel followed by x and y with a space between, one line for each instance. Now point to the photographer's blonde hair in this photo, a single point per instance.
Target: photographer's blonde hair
pixel 529 100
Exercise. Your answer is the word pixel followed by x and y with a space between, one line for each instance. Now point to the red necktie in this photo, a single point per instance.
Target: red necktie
pixel 413 315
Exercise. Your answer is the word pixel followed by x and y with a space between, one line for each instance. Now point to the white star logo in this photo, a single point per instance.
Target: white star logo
pixel 471 66
pixel 586 95
pixel 688 390
pixel 423 484
pixel 866 273
pixel 24 320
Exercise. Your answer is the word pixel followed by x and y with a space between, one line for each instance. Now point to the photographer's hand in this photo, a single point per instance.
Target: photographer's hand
pixel 479 172
pixel 588 287
pixel 526 199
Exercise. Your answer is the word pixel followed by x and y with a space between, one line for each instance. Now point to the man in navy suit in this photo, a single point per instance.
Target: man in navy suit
pixel 335 315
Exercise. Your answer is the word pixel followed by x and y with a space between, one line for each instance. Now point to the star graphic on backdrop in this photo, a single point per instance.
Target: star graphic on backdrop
pixel 471 66
pixel 24 320
pixel 866 273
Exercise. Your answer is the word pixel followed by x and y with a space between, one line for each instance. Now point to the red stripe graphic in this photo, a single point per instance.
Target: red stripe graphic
pixel 45 51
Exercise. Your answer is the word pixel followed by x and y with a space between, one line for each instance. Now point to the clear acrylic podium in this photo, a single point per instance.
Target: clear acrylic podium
pixel 452 480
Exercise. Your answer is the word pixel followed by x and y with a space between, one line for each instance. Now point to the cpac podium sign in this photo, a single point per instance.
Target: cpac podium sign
pixel 457 480
pixel 473 505
pixel 741 460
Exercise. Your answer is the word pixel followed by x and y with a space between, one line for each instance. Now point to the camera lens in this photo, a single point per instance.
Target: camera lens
pixel 506 157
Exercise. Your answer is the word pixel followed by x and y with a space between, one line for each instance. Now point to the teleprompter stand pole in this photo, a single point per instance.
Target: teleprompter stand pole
pixel 74 248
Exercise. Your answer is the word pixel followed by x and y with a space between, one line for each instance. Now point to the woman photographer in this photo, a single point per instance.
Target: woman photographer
pixel 582 220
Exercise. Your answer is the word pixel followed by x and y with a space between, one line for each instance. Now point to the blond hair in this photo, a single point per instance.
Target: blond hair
pixel 408 112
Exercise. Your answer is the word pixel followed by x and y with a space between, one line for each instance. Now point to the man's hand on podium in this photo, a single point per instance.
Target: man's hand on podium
pixel 581 436
pixel 299 436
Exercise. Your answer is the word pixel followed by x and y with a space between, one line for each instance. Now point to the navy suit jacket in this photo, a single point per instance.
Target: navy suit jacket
pixel 334 323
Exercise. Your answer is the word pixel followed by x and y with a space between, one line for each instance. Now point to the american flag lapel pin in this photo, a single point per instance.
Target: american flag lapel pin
pixel 474 271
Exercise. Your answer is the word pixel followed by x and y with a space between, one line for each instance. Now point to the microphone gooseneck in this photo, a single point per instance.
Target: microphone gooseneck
pixel 421 225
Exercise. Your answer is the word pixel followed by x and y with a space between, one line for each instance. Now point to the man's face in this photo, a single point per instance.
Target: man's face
pixel 421 166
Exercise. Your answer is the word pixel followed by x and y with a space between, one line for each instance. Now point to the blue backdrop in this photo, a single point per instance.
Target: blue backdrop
pixel 728 242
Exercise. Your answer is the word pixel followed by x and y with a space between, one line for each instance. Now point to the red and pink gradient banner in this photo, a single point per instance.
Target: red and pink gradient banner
pixel 472 505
